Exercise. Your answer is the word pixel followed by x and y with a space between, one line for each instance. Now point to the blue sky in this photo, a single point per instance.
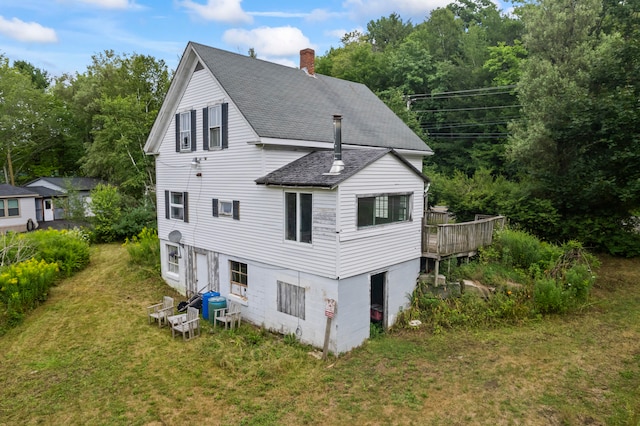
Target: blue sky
pixel 61 35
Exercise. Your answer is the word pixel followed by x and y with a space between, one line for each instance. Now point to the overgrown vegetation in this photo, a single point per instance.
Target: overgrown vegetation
pixel 31 264
pixel 90 357
pixel 529 278
pixel 144 251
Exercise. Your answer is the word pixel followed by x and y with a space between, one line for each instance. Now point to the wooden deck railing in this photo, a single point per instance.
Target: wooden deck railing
pixel 458 238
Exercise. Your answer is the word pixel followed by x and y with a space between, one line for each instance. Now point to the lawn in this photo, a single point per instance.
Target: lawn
pixel 88 356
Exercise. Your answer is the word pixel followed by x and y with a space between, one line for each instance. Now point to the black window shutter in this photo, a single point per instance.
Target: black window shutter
pixel 225 121
pixel 205 128
pixel 177 132
pixel 215 207
pixel 185 201
pixel 236 209
pixel 193 130
pixel 166 204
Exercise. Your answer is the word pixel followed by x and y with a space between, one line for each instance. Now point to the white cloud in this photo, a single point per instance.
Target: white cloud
pixel 416 10
pixel 219 10
pixel 269 41
pixel 320 15
pixel 27 31
pixel 280 14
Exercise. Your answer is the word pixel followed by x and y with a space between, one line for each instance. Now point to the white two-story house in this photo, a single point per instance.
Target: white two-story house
pixel 285 190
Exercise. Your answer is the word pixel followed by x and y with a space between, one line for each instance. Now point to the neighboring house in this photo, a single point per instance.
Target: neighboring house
pixel 51 189
pixel 17 209
pixel 246 207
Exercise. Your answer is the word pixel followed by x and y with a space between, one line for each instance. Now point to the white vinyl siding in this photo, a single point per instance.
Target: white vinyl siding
pixel 229 175
pixel 368 248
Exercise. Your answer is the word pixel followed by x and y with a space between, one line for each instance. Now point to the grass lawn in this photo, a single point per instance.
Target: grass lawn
pixel 88 356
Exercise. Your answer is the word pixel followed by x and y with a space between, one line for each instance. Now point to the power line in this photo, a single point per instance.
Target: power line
pixel 459 93
pixel 468 109
pixel 468 135
pixel 461 124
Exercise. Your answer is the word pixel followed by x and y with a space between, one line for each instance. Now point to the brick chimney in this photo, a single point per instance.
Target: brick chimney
pixel 308 61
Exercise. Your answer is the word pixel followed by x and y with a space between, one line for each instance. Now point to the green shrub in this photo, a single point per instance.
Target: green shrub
pixel 530 278
pixel 549 297
pixel 23 285
pixel 69 249
pixel 134 220
pixel 144 250
pixel 106 206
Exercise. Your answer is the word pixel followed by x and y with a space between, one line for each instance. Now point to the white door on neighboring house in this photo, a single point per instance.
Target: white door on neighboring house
pixel 48 210
pixel 202 273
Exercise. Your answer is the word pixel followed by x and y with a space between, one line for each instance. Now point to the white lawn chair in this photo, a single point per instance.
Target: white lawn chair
pixel 188 324
pixel 160 311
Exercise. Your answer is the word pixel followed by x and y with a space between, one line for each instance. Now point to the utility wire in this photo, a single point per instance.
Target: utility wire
pixel 468 109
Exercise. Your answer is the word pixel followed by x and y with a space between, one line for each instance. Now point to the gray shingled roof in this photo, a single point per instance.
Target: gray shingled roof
pixel 310 170
pixel 7 190
pixel 286 103
pixel 46 192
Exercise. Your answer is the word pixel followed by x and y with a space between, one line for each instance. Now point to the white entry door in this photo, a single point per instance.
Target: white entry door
pixel 202 273
pixel 48 210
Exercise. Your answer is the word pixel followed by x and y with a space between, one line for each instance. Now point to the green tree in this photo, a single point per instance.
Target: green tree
pixel 106 207
pixel 114 104
pixel 390 31
pixel 25 116
pixel 578 141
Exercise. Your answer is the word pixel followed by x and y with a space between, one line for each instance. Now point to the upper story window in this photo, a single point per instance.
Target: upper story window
pixel 383 208
pixel 215 126
pixel 226 208
pixel 176 205
pixel 298 214
pixel 9 207
pixel 186 131
pixel 214 121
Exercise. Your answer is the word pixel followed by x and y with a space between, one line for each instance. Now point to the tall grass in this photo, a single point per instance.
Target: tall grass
pixel 32 263
pixel 530 278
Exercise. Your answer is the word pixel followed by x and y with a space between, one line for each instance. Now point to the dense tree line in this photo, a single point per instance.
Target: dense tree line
pixel 532 114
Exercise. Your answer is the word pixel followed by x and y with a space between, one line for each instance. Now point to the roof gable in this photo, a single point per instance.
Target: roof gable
pixel 281 102
pixel 311 170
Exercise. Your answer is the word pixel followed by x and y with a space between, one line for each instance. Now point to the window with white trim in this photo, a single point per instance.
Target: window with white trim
pixel 9 207
pixel 291 299
pixel 215 126
pixel 239 282
pixel 226 208
pixel 185 131
pixel 298 216
pixel 173 259
pixel 176 205
pixel 383 208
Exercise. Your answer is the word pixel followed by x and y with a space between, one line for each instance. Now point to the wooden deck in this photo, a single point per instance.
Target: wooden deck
pixel 458 239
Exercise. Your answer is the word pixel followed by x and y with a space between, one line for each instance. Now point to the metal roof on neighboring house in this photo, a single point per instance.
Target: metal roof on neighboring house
pixel 311 170
pixel 286 103
pixel 7 190
pixel 77 183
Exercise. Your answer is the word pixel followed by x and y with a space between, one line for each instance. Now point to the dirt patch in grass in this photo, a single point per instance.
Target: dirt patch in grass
pixel 88 356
